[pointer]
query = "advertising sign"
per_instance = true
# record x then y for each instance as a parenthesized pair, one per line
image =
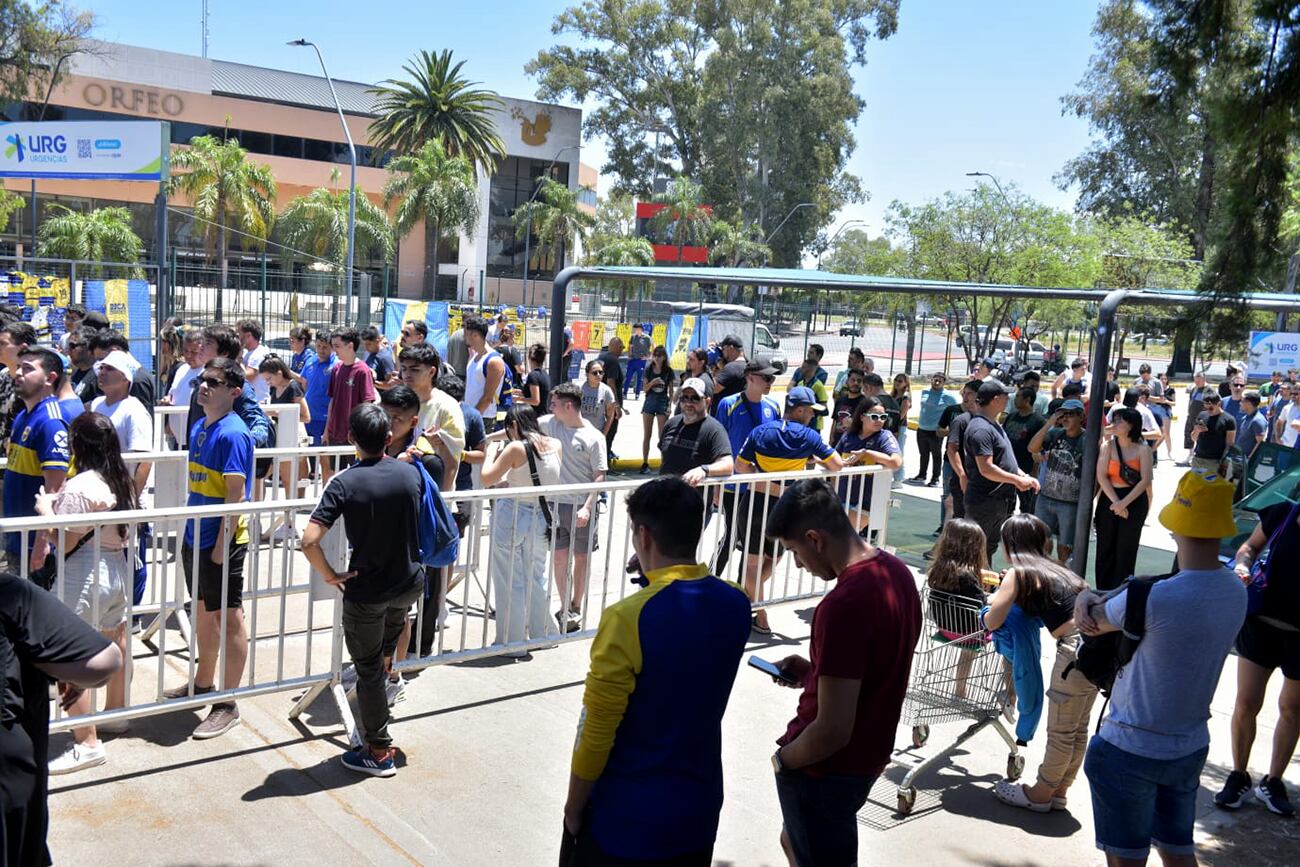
(118, 150)
(1272, 350)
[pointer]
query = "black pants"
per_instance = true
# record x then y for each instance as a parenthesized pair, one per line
(1026, 501)
(584, 851)
(427, 622)
(931, 446)
(729, 508)
(820, 815)
(958, 497)
(371, 630)
(990, 511)
(1118, 539)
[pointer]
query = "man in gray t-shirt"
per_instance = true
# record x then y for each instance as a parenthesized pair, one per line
(583, 461)
(1144, 765)
(638, 351)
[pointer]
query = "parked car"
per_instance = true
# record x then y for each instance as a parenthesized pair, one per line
(850, 328)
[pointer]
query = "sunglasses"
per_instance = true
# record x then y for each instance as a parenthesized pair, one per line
(596, 372)
(764, 378)
(212, 382)
(690, 398)
(876, 416)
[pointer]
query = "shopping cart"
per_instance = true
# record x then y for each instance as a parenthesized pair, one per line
(956, 675)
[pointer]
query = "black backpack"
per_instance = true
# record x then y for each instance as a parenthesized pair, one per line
(1101, 657)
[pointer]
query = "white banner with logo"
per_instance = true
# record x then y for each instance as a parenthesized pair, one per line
(1272, 350)
(119, 150)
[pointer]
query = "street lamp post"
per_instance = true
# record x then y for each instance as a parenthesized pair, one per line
(352, 185)
(528, 231)
(1010, 213)
(838, 232)
(786, 220)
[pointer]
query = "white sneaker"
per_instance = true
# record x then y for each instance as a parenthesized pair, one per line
(395, 690)
(78, 758)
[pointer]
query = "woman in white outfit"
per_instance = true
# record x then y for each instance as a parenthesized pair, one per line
(96, 576)
(520, 528)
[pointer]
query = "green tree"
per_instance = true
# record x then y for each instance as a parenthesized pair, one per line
(737, 245)
(35, 40)
(556, 219)
(101, 235)
(226, 190)
(438, 104)
(9, 202)
(317, 224)
(623, 252)
(685, 221)
(436, 187)
(615, 219)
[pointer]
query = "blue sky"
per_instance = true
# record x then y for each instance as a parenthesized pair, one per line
(963, 86)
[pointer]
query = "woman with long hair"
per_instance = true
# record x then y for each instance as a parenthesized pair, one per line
(1124, 475)
(520, 528)
(658, 397)
(285, 390)
(536, 390)
(901, 392)
(96, 575)
(866, 442)
(1045, 589)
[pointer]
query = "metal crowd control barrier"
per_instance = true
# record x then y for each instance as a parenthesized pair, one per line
(507, 571)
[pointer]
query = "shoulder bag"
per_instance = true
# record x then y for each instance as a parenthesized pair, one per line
(44, 576)
(537, 483)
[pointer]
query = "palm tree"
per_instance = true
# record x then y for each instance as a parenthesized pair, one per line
(436, 187)
(686, 221)
(226, 190)
(736, 245)
(625, 252)
(101, 235)
(556, 220)
(437, 104)
(317, 224)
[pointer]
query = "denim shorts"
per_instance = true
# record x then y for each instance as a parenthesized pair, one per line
(1137, 801)
(1059, 516)
(821, 816)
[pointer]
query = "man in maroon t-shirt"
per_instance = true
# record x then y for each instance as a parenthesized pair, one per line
(351, 384)
(863, 635)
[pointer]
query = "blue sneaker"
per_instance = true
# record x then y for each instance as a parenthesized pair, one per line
(364, 761)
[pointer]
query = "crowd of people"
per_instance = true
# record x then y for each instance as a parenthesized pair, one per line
(488, 415)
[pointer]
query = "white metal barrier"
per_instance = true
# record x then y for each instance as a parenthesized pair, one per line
(507, 572)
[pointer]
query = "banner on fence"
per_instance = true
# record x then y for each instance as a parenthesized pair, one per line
(434, 314)
(127, 305)
(42, 299)
(1272, 350)
(685, 332)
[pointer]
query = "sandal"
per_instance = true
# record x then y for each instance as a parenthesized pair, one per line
(1014, 794)
(1058, 803)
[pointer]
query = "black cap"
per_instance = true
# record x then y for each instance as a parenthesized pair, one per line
(731, 340)
(990, 390)
(760, 368)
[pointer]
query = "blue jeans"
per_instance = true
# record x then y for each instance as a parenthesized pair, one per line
(519, 571)
(635, 376)
(901, 436)
(821, 816)
(1137, 801)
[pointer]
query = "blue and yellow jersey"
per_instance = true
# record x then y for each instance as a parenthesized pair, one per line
(662, 666)
(782, 446)
(38, 442)
(223, 448)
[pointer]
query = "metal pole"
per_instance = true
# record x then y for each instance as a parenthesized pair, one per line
(786, 220)
(559, 291)
(528, 234)
(352, 185)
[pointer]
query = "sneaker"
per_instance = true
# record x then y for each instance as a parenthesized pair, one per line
(184, 691)
(572, 621)
(395, 691)
(1234, 791)
(933, 483)
(917, 478)
(221, 719)
(645, 468)
(285, 533)
(78, 758)
(366, 761)
(1271, 792)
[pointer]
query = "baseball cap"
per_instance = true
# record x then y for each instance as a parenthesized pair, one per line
(95, 319)
(1201, 507)
(990, 390)
(696, 385)
(119, 361)
(760, 368)
(802, 395)
(1071, 405)
(731, 340)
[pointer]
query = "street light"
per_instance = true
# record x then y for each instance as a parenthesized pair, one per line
(836, 235)
(786, 220)
(352, 185)
(994, 179)
(528, 232)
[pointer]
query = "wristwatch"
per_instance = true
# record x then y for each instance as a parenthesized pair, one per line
(704, 468)
(777, 765)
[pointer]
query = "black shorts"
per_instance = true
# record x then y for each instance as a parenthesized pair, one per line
(261, 468)
(210, 576)
(751, 524)
(1270, 647)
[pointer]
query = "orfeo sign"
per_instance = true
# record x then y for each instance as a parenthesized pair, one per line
(120, 150)
(1272, 350)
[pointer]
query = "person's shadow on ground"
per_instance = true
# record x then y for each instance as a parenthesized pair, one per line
(324, 776)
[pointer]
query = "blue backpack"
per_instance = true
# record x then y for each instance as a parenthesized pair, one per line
(439, 536)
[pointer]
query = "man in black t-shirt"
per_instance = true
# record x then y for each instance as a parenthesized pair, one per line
(40, 639)
(954, 421)
(992, 475)
(1021, 426)
(694, 444)
(731, 378)
(379, 499)
(1215, 432)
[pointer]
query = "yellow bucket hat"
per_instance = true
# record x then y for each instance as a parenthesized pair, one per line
(1201, 507)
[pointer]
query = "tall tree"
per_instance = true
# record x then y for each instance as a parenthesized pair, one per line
(437, 103)
(317, 224)
(737, 245)
(438, 188)
(716, 84)
(35, 40)
(557, 221)
(101, 235)
(226, 190)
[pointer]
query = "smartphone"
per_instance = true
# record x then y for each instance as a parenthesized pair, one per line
(771, 669)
